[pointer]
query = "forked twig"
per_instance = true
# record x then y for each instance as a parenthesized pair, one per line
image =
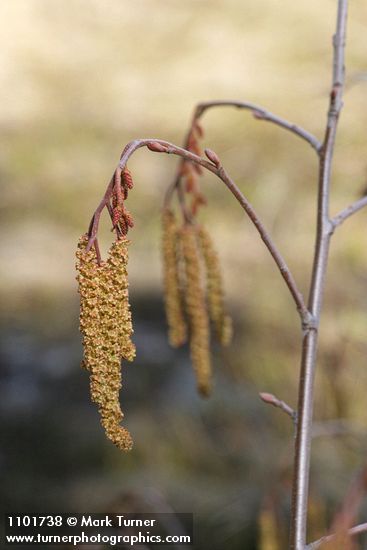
(310, 340)
(261, 114)
(169, 148)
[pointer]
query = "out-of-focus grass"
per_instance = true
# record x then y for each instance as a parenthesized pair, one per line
(80, 79)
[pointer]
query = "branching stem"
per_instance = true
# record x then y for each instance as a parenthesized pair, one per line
(310, 338)
(170, 148)
(309, 312)
(261, 114)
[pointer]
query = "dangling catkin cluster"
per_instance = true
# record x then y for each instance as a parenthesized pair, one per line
(105, 322)
(188, 252)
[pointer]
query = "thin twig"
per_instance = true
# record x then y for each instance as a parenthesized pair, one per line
(219, 171)
(272, 400)
(352, 532)
(310, 338)
(261, 114)
(349, 211)
(307, 319)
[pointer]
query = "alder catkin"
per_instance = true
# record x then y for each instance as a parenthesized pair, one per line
(105, 322)
(177, 329)
(88, 279)
(196, 310)
(215, 295)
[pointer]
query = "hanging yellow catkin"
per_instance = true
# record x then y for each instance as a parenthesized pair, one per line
(215, 294)
(105, 322)
(196, 310)
(117, 264)
(177, 329)
(88, 279)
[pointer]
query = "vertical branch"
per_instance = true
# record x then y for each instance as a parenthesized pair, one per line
(310, 338)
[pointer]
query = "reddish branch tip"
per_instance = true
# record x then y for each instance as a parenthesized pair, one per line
(213, 157)
(157, 147)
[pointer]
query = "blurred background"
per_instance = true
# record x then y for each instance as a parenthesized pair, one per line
(78, 80)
